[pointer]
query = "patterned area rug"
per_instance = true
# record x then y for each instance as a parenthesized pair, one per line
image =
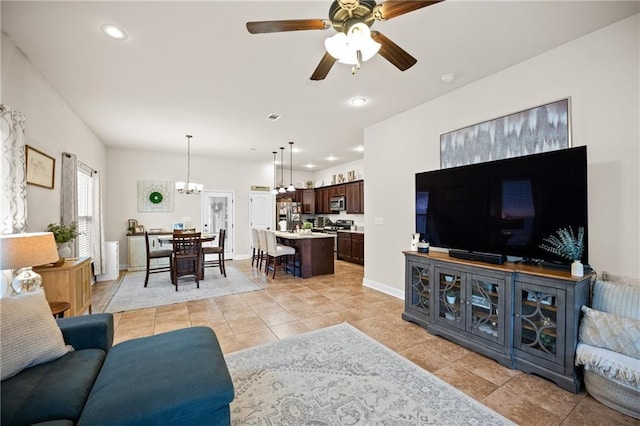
(159, 291)
(340, 376)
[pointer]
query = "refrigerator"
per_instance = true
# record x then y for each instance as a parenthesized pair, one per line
(288, 215)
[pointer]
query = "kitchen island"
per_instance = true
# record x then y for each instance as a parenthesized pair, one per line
(314, 252)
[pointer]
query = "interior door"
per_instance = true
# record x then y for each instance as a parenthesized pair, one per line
(261, 210)
(217, 212)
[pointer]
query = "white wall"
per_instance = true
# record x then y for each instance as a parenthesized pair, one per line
(598, 71)
(326, 175)
(51, 127)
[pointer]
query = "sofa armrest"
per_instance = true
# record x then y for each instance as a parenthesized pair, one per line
(88, 331)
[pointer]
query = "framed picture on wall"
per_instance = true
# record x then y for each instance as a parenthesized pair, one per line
(539, 129)
(40, 168)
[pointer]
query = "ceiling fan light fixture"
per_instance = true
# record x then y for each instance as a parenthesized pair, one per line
(336, 45)
(359, 38)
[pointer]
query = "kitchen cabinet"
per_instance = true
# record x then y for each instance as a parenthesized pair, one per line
(69, 282)
(322, 200)
(355, 197)
(338, 190)
(523, 316)
(137, 252)
(307, 200)
(351, 247)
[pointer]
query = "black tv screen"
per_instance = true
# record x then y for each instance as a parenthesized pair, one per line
(505, 207)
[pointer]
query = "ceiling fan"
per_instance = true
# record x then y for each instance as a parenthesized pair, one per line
(354, 41)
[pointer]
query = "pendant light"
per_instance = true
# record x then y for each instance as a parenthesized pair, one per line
(189, 187)
(274, 191)
(282, 189)
(291, 188)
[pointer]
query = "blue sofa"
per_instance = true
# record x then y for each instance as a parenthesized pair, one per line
(179, 377)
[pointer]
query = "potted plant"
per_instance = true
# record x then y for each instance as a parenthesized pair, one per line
(63, 234)
(306, 227)
(567, 245)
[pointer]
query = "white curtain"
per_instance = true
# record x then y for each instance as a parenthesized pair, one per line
(97, 241)
(13, 183)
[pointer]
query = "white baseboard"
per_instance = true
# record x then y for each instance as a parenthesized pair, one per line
(391, 291)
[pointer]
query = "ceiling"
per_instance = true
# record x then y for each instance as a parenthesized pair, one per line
(192, 67)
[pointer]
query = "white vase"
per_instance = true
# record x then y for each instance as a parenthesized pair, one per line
(451, 299)
(577, 269)
(64, 250)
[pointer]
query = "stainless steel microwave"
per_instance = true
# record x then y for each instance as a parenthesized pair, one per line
(338, 203)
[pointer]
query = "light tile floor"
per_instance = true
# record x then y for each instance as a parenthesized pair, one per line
(289, 306)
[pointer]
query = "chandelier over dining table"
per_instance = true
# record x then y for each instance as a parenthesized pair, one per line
(189, 187)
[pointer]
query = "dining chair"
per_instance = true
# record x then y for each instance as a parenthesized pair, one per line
(187, 257)
(159, 255)
(255, 254)
(275, 251)
(219, 251)
(262, 253)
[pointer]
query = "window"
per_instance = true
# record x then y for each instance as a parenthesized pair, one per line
(85, 211)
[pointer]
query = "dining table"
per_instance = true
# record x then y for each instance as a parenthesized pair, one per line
(204, 238)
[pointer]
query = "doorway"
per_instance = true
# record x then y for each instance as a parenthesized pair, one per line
(261, 206)
(217, 212)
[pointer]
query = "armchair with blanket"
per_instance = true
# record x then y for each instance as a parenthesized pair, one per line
(609, 343)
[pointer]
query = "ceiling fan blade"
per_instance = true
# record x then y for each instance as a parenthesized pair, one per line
(260, 27)
(391, 9)
(323, 67)
(393, 53)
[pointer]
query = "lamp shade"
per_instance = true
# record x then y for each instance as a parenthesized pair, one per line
(27, 249)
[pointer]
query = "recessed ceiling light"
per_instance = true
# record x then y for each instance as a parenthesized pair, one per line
(114, 32)
(331, 158)
(359, 148)
(359, 101)
(309, 166)
(448, 78)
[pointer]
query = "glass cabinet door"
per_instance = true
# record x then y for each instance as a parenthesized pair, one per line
(484, 305)
(420, 291)
(450, 297)
(539, 315)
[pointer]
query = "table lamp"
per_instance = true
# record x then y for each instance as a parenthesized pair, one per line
(21, 252)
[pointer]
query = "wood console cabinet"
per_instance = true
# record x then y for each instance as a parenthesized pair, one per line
(524, 317)
(69, 282)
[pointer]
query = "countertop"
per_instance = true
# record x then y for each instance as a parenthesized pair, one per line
(350, 231)
(301, 236)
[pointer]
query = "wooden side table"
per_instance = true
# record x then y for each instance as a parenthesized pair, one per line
(58, 308)
(70, 282)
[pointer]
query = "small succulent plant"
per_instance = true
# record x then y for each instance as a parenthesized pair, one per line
(565, 243)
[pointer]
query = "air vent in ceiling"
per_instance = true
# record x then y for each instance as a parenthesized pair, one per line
(273, 117)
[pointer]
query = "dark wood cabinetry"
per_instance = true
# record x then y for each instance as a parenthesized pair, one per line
(355, 197)
(322, 200)
(524, 317)
(352, 191)
(351, 247)
(307, 200)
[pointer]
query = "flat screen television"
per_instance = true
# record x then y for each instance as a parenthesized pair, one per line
(505, 207)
